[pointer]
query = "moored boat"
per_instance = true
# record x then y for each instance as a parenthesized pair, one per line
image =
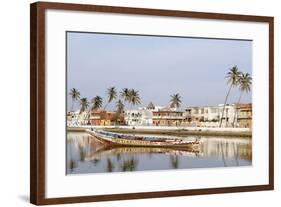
(143, 141)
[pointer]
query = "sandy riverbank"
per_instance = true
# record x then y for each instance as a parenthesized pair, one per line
(176, 131)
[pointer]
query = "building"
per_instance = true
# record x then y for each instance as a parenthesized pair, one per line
(210, 116)
(141, 116)
(106, 118)
(69, 117)
(84, 118)
(167, 117)
(72, 118)
(138, 117)
(95, 118)
(244, 115)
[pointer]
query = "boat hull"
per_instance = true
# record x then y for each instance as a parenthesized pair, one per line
(141, 143)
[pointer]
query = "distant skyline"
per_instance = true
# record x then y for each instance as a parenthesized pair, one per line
(156, 66)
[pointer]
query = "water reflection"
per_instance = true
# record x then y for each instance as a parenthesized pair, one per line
(110, 165)
(129, 164)
(85, 154)
(174, 161)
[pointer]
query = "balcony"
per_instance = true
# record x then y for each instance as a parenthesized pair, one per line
(167, 117)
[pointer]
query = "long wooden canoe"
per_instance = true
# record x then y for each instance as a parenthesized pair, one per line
(141, 141)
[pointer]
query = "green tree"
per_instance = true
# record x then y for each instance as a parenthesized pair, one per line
(244, 84)
(232, 80)
(119, 111)
(75, 96)
(120, 106)
(111, 94)
(134, 97)
(125, 94)
(84, 104)
(175, 101)
(96, 103)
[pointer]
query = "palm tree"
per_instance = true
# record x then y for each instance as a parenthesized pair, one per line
(120, 106)
(125, 94)
(245, 82)
(232, 79)
(97, 103)
(119, 110)
(134, 97)
(75, 95)
(175, 101)
(84, 104)
(112, 94)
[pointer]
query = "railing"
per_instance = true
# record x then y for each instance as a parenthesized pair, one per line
(168, 117)
(244, 117)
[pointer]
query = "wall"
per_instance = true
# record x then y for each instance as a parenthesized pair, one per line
(14, 104)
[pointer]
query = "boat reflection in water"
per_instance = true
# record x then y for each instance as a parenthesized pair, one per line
(85, 154)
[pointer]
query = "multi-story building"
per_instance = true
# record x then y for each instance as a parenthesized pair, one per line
(95, 118)
(138, 117)
(244, 115)
(84, 118)
(210, 116)
(167, 117)
(72, 118)
(106, 118)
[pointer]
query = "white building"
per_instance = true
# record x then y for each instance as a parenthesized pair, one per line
(138, 117)
(210, 116)
(144, 116)
(73, 118)
(84, 118)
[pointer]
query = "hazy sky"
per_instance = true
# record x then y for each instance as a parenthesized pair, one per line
(155, 66)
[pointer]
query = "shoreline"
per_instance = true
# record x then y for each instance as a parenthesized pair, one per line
(226, 132)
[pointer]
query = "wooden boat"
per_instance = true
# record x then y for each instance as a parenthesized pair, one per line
(142, 141)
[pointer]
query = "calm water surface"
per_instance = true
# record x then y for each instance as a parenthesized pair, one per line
(85, 154)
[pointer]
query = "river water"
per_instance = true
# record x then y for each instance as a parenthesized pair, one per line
(85, 154)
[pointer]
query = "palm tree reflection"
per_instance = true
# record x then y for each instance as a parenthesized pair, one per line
(110, 165)
(118, 156)
(82, 153)
(72, 165)
(129, 165)
(222, 154)
(174, 159)
(95, 161)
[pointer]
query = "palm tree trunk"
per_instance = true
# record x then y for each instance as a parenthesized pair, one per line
(78, 117)
(236, 111)
(72, 102)
(225, 101)
(130, 117)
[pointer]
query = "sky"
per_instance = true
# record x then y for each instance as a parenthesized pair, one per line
(156, 66)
